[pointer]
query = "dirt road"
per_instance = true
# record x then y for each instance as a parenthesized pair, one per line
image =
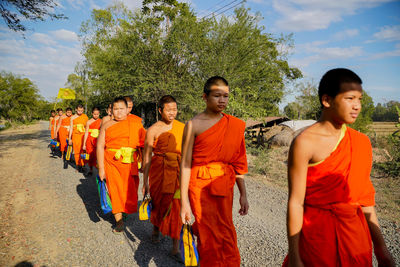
(51, 217)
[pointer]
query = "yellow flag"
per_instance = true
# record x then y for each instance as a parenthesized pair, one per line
(66, 93)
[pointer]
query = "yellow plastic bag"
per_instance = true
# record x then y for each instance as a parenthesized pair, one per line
(187, 246)
(145, 209)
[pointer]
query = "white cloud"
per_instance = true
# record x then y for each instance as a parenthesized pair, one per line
(47, 65)
(315, 53)
(42, 38)
(393, 53)
(388, 33)
(65, 35)
(309, 15)
(345, 34)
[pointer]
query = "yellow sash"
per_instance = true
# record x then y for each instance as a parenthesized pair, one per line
(80, 127)
(66, 127)
(94, 133)
(125, 152)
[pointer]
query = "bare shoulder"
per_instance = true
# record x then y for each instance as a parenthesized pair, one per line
(306, 140)
(105, 119)
(109, 123)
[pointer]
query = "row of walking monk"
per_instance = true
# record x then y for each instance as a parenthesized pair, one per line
(192, 169)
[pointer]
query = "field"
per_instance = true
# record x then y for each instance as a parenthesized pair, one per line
(383, 128)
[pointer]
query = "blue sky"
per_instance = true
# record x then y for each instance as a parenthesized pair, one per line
(363, 35)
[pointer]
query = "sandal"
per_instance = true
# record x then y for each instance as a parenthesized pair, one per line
(119, 229)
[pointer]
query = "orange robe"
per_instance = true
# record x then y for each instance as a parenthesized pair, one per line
(78, 134)
(335, 231)
(142, 135)
(219, 154)
(121, 185)
(52, 128)
(164, 181)
(91, 142)
(63, 133)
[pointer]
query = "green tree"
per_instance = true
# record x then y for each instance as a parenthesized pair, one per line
(306, 105)
(19, 98)
(166, 49)
(14, 11)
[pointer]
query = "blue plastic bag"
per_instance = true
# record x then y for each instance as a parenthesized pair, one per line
(187, 246)
(105, 201)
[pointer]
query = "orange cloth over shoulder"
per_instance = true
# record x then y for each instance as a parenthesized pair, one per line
(63, 133)
(91, 141)
(78, 134)
(52, 121)
(219, 154)
(164, 181)
(120, 164)
(335, 231)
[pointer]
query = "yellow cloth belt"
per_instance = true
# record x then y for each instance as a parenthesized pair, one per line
(125, 152)
(211, 170)
(80, 127)
(94, 133)
(66, 127)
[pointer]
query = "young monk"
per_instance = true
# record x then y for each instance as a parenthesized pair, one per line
(77, 133)
(51, 123)
(117, 160)
(109, 115)
(62, 131)
(56, 121)
(90, 140)
(331, 217)
(164, 139)
(213, 159)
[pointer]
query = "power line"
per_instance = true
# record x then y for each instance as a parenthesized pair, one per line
(228, 9)
(216, 5)
(215, 11)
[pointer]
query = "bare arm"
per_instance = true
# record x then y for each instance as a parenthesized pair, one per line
(50, 120)
(56, 129)
(86, 135)
(186, 167)
(244, 204)
(148, 149)
(299, 156)
(71, 128)
(100, 152)
(381, 251)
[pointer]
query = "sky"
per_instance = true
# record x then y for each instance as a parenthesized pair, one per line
(362, 35)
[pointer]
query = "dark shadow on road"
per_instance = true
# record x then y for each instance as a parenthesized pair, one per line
(140, 231)
(87, 190)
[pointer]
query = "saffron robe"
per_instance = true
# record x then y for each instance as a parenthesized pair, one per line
(164, 181)
(91, 142)
(335, 231)
(52, 123)
(63, 133)
(78, 134)
(219, 154)
(122, 178)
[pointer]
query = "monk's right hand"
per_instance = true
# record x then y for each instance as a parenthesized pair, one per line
(102, 175)
(84, 148)
(295, 262)
(145, 189)
(186, 213)
(69, 141)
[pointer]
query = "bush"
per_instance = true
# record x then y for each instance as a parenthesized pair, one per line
(392, 166)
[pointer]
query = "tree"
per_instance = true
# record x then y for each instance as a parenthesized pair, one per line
(306, 105)
(19, 99)
(35, 10)
(166, 49)
(386, 111)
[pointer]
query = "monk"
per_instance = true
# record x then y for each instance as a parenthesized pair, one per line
(142, 134)
(331, 218)
(108, 116)
(164, 140)
(51, 122)
(117, 147)
(213, 159)
(59, 113)
(90, 140)
(62, 132)
(76, 135)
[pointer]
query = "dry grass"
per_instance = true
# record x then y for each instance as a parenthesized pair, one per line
(270, 165)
